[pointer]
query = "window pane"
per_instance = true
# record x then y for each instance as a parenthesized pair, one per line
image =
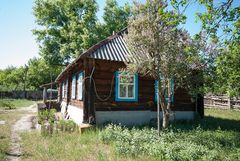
(126, 78)
(131, 79)
(80, 79)
(122, 79)
(123, 90)
(130, 91)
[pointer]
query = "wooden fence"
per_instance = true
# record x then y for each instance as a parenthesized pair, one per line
(33, 95)
(223, 102)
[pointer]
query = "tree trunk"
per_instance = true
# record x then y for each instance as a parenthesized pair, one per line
(165, 119)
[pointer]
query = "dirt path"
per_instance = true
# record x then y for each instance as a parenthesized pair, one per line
(25, 123)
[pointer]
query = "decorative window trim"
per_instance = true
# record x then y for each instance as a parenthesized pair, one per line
(63, 91)
(80, 84)
(74, 86)
(117, 90)
(155, 89)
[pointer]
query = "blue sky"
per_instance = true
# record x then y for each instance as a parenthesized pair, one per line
(17, 44)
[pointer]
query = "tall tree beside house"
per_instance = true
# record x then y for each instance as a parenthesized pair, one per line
(115, 17)
(162, 50)
(67, 28)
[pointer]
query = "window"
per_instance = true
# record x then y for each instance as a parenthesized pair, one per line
(126, 87)
(64, 89)
(74, 87)
(80, 84)
(166, 91)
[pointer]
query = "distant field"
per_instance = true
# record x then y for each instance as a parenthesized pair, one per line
(216, 137)
(14, 103)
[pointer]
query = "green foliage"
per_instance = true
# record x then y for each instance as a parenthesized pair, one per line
(39, 72)
(7, 104)
(70, 27)
(161, 49)
(29, 77)
(228, 69)
(220, 17)
(46, 116)
(12, 78)
(115, 17)
(195, 143)
(67, 125)
(15, 103)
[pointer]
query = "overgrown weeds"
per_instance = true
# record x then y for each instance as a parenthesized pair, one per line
(201, 140)
(216, 137)
(14, 103)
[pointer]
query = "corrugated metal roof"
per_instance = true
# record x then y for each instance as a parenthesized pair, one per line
(114, 50)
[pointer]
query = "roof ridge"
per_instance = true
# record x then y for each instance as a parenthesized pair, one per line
(91, 50)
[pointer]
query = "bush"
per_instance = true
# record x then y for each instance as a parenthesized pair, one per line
(67, 125)
(172, 144)
(46, 116)
(7, 104)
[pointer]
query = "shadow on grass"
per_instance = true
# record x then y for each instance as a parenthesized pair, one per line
(209, 123)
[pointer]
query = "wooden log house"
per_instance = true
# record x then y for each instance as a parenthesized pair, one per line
(93, 90)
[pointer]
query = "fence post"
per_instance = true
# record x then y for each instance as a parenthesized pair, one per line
(229, 103)
(44, 94)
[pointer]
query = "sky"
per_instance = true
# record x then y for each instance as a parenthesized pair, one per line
(17, 43)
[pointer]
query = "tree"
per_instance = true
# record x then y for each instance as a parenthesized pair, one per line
(228, 69)
(67, 28)
(220, 19)
(160, 49)
(221, 22)
(12, 78)
(115, 17)
(39, 72)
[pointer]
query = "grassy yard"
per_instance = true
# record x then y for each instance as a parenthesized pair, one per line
(14, 103)
(9, 117)
(5, 130)
(216, 137)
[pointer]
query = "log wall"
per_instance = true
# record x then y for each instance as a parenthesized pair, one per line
(104, 76)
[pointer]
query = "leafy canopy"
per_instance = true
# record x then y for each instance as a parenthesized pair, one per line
(67, 28)
(160, 49)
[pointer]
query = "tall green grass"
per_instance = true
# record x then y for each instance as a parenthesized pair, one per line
(216, 137)
(68, 147)
(14, 103)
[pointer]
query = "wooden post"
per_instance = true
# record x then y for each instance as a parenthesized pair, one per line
(44, 94)
(229, 103)
(91, 94)
(85, 91)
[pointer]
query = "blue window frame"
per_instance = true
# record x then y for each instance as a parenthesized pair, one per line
(126, 87)
(165, 93)
(80, 86)
(74, 87)
(63, 90)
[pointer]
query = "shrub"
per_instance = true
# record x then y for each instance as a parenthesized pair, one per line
(67, 125)
(7, 104)
(46, 116)
(172, 144)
